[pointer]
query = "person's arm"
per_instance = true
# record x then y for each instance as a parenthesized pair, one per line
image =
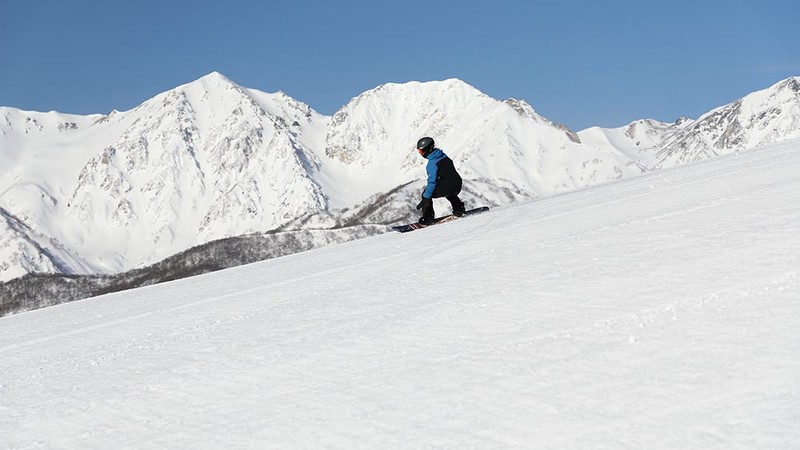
(433, 170)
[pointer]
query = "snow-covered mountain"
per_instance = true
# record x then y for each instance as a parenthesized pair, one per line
(764, 117)
(204, 161)
(507, 152)
(640, 140)
(211, 159)
(504, 143)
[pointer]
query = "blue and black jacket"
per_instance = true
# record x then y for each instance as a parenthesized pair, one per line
(443, 180)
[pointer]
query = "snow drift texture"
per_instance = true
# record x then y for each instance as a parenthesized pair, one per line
(210, 160)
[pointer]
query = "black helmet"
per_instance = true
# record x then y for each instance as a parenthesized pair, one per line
(425, 146)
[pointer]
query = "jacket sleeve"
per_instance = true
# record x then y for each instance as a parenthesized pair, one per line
(432, 169)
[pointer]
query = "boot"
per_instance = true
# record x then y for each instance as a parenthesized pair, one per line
(427, 216)
(458, 206)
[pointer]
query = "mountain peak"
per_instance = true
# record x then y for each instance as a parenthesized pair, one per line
(215, 77)
(792, 84)
(450, 84)
(760, 118)
(212, 82)
(366, 130)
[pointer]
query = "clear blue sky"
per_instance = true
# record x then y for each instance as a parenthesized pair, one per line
(578, 63)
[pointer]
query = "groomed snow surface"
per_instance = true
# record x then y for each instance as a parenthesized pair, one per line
(657, 312)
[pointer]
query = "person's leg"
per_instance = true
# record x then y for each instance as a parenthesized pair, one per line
(427, 215)
(457, 204)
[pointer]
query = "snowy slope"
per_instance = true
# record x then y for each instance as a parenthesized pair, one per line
(657, 312)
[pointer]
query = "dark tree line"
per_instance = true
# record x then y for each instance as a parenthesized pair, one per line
(35, 291)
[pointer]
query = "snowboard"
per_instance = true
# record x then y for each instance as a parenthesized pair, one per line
(416, 226)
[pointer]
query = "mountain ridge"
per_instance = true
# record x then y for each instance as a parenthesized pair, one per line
(763, 117)
(211, 159)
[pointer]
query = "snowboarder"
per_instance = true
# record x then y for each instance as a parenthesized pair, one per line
(443, 181)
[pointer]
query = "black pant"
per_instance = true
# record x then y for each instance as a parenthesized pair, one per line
(455, 202)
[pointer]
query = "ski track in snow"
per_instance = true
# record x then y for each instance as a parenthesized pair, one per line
(657, 312)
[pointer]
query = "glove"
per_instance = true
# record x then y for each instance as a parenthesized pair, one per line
(426, 202)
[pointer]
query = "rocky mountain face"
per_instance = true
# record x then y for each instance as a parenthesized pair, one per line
(211, 160)
(202, 162)
(764, 117)
(21, 253)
